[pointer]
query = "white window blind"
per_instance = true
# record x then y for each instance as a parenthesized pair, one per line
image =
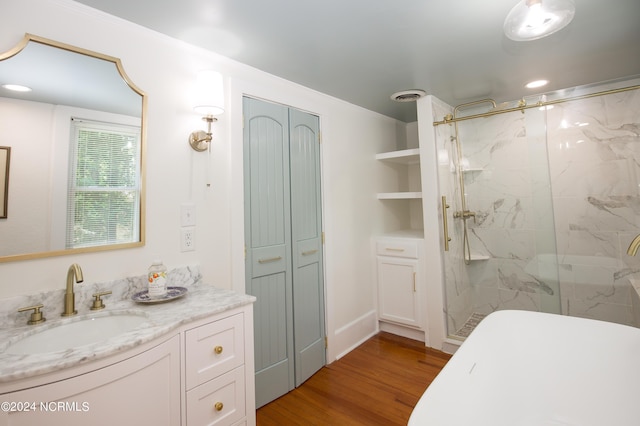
(104, 184)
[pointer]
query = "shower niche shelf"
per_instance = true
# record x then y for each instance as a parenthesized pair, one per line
(475, 257)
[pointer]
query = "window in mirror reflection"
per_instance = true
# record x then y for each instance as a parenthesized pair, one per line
(104, 184)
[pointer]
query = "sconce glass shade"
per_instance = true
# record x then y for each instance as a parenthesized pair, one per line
(535, 19)
(209, 93)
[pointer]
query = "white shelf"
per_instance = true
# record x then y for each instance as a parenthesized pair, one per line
(399, 195)
(404, 233)
(406, 156)
(472, 170)
(474, 257)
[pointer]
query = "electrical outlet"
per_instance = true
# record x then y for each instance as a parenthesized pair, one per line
(188, 214)
(188, 239)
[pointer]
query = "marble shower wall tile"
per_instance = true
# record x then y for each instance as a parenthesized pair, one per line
(594, 151)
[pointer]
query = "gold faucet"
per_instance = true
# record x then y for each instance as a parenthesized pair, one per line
(633, 247)
(69, 297)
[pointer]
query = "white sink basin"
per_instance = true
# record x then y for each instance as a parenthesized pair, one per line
(80, 332)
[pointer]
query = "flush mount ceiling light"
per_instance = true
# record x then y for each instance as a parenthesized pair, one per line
(534, 19)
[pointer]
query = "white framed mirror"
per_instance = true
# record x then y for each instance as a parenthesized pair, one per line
(76, 131)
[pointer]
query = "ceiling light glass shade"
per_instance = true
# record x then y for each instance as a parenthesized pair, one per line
(209, 93)
(16, 87)
(536, 83)
(534, 19)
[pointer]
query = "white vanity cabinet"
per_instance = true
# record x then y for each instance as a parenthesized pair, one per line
(400, 281)
(199, 373)
(143, 389)
(214, 372)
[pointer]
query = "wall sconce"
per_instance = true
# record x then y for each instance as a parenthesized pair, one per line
(208, 101)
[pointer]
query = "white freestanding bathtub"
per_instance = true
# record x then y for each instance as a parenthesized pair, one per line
(520, 368)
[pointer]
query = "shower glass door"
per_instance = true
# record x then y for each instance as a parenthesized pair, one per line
(502, 253)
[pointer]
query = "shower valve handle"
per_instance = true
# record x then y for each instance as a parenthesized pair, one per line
(464, 215)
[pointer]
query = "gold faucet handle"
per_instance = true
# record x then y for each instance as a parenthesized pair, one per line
(36, 316)
(97, 301)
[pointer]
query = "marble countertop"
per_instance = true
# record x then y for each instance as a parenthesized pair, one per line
(201, 301)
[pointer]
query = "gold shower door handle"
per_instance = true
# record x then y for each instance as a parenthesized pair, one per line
(445, 226)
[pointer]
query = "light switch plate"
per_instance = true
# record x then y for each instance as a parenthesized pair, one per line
(188, 214)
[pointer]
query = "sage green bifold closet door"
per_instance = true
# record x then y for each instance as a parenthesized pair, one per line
(283, 237)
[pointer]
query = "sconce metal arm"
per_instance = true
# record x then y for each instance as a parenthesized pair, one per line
(200, 140)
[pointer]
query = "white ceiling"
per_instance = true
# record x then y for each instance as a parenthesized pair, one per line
(362, 51)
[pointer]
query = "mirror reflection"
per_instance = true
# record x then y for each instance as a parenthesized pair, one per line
(75, 127)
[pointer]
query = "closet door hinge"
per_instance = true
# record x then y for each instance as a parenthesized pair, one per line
(322, 237)
(326, 342)
(319, 137)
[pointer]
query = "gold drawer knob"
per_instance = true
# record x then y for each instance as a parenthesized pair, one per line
(218, 350)
(219, 406)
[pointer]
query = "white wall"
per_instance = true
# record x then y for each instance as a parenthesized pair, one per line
(26, 226)
(165, 69)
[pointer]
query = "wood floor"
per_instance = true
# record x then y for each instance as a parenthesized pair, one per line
(378, 383)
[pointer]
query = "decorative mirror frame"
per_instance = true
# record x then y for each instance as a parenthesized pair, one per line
(5, 160)
(143, 125)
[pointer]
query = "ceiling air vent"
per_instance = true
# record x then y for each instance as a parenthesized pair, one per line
(408, 95)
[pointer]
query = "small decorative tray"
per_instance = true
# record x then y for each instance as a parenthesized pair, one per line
(172, 293)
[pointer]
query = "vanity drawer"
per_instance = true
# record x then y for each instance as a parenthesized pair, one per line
(219, 401)
(213, 349)
(397, 248)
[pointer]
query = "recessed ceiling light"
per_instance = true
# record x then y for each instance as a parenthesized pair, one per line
(16, 87)
(536, 83)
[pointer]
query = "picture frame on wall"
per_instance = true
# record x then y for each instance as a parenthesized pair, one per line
(5, 157)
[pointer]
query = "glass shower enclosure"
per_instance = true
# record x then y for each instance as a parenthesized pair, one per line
(541, 204)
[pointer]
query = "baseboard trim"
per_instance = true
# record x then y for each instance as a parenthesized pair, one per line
(353, 334)
(399, 330)
(450, 346)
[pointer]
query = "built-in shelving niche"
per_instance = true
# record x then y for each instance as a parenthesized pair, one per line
(406, 164)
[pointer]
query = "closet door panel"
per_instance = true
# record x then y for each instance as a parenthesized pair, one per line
(268, 245)
(308, 281)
